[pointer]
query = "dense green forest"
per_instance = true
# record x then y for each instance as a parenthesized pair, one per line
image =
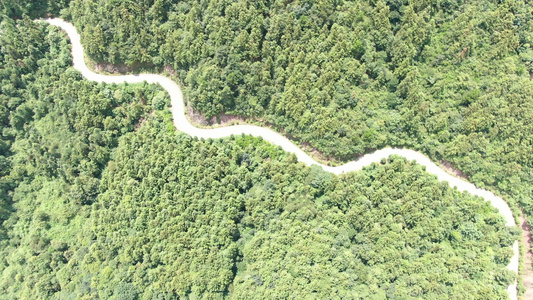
(449, 78)
(102, 198)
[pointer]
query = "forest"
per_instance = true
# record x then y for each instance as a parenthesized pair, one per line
(100, 196)
(449, 78)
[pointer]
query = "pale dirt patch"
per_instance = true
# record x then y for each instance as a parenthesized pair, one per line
(107, 68)
(315, 153)
(449, 168)
(216, 121)
(170, 70)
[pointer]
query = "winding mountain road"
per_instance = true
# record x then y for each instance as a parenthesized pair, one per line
(182, 124)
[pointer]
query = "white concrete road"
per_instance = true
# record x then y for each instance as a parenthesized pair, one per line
(182, 124)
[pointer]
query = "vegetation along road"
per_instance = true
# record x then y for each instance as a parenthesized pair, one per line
(182, 124)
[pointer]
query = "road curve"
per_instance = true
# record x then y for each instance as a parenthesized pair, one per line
(182, 124)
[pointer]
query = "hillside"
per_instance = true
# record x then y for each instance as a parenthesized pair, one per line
(101, 197)
(449, 79)
(97, 208)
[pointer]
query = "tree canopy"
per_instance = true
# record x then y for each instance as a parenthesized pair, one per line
(103, 198)
(451, 79)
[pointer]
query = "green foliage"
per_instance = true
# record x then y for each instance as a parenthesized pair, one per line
(449, 79)
(32, 8)
(58, 133)
(101, 198)
(188, 218)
